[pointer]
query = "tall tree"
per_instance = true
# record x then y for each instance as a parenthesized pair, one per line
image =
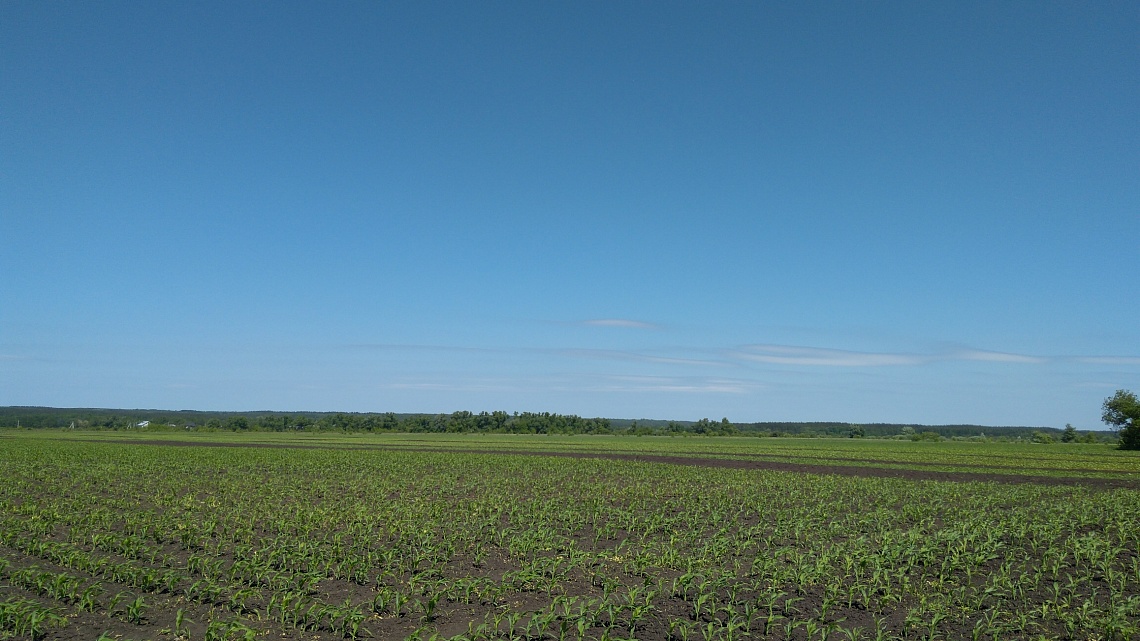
(1122, 412)
(1069, 435)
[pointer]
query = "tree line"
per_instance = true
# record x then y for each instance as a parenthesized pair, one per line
(500, 422)
(456, 422)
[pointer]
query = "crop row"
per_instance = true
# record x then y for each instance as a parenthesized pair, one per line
(226, 543)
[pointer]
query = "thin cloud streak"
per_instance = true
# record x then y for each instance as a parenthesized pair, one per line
(995, 357)
(771, 354)
(422, 348)
(677, 385)
(619, 322)
(1098, 385)
(817, 356)
(570, 352)
(623, 355)
(1108, 360)
(588, 384)
(451, 387)
(826, 357)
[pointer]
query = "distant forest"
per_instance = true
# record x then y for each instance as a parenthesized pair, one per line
(492, 422)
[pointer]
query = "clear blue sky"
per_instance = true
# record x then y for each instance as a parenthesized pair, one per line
(853, 211)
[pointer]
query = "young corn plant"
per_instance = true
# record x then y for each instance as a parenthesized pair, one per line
(135, 610)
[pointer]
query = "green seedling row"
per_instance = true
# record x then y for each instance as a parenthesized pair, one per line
(471, 539)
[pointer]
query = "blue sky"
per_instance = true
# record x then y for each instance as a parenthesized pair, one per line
(867, 212)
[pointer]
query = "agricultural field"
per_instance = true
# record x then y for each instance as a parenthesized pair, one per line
(408, 536)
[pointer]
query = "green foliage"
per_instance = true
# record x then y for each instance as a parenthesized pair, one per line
(135, 610)
(1069, 435)
(497, 422)
(484, 422)
(1121, 411)
(355, 536)
(888, 430)
(709, 428)
(237, 423)
(229, 631)
(27, 618)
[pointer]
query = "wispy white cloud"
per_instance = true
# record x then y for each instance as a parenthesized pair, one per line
(994, 357)
(772, 354)
(619, 322)
(682, 385)
(418, 348)
(1108, 360)
(670, 357)
(452, 386)
(827, 357)
(1096, 385)
(624, 355)
(817, 356)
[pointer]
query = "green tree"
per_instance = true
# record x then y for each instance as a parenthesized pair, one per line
(1069, 435)
(1122, 412)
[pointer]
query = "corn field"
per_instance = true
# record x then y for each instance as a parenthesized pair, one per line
(580, 538)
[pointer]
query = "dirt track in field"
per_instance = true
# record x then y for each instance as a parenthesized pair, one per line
(863, 471)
